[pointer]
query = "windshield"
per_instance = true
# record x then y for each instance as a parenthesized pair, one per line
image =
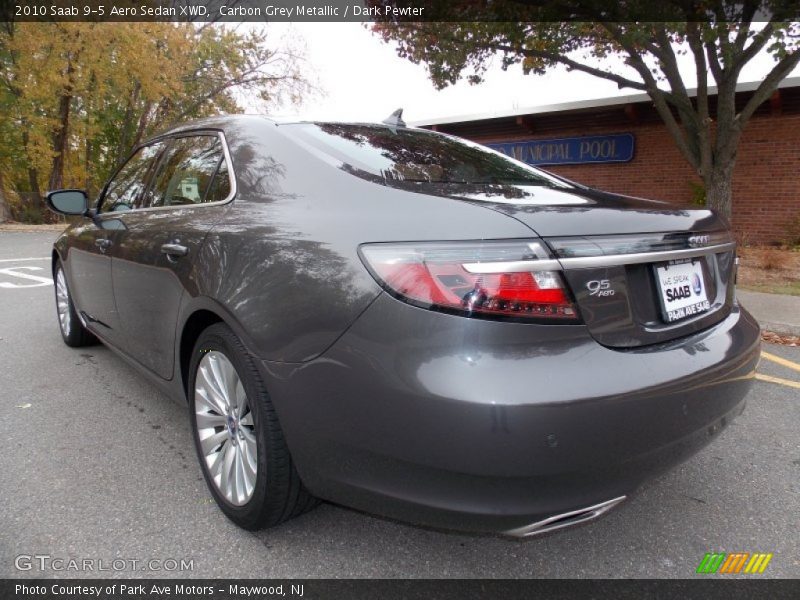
(415, 155)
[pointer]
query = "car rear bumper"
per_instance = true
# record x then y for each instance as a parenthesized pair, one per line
(491, 426)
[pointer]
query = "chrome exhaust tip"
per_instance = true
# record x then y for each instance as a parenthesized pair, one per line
(564, 520)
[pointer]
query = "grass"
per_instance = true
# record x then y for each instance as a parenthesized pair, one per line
(28, 227)
(790, 289)
(770, 270)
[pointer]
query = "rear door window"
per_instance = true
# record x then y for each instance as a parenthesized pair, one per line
(187, 171)
(220, 187)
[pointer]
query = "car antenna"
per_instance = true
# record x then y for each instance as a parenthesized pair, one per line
(395, 119)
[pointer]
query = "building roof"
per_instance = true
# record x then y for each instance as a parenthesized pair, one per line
(578, 105)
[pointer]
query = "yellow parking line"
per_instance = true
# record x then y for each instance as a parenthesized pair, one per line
(781, 361)
(778, 380)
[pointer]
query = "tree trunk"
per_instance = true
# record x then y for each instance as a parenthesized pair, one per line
(719, 189)
(87, 164)
(61, 135)
(33, 182)
(33, 174)
(124, 139)
(5, 212)
(60, 138)
(144, 119)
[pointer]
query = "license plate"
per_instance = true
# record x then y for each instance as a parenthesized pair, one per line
(683, 290)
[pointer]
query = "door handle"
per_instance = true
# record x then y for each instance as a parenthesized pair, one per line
(103, 243)
(174, 250)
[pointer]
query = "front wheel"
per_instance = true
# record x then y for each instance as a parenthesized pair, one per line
(72, 330)
(239, 441)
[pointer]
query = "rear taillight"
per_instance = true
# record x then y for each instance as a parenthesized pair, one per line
(506, 279)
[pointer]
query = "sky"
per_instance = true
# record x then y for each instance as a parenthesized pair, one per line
(362, 78)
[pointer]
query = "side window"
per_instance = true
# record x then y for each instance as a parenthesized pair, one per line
(187, 171)
(220, 185)
(125, 189)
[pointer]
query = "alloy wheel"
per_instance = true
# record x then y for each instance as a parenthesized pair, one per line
(225, 428)
(62, 303)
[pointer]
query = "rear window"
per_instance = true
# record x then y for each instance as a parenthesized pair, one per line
(389, 154)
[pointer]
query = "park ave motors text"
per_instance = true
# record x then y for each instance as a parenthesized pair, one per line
(157, 590)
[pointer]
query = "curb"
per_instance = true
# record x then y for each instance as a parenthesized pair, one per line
(21, 228)
(779, 328)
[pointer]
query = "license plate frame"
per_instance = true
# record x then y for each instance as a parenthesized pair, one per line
(682, 292)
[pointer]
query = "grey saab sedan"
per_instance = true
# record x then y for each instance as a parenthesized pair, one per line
(407, 323)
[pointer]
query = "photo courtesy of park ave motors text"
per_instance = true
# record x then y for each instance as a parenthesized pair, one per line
(488, 290)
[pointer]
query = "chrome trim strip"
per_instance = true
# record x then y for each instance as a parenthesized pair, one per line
(544, 526)
(584, 262)
(231, 172)
(613, 260)
(512, 266)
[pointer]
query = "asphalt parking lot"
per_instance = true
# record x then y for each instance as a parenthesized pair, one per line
(98, 465)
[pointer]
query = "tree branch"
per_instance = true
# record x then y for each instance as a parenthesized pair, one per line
(695, 40)
(572, 64)
(713, 63)
(660, 98)
(748, 12)
(669, 63)
(768, 86)
(758, 42)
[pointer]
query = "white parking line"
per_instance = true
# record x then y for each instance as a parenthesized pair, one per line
(15, 272)
(4, 260)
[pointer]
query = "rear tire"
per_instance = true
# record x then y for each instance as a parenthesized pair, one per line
(233, 422)
(72, 330)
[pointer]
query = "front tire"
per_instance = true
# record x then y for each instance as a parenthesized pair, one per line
(72, 330)
(239, 442)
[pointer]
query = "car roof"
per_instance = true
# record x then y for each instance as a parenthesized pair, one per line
(216, 122)
(221, 121)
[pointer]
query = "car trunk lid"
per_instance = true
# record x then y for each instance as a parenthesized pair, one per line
(639, 289)
(642, 272)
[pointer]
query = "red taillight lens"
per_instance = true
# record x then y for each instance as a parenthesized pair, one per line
(503, 279)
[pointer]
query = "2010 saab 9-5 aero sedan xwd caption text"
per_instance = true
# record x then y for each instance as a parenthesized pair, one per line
(407, 323)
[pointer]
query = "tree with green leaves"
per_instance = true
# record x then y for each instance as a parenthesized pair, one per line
(76, 97)
(634, 44)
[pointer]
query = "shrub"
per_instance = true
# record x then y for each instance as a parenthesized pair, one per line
(772, 259)
(793, 231)
(698, 192)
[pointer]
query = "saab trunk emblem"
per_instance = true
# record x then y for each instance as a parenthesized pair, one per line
(698, 241)
(599, 287)
(734, 563)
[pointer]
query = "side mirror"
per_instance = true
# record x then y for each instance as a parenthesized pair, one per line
(68, 202)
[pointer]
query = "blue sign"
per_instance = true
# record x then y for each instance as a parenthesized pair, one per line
(617, 147)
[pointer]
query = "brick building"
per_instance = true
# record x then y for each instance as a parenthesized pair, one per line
(766, 197)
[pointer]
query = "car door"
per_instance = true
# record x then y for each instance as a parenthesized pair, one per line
(89, 257)
(152, 256)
